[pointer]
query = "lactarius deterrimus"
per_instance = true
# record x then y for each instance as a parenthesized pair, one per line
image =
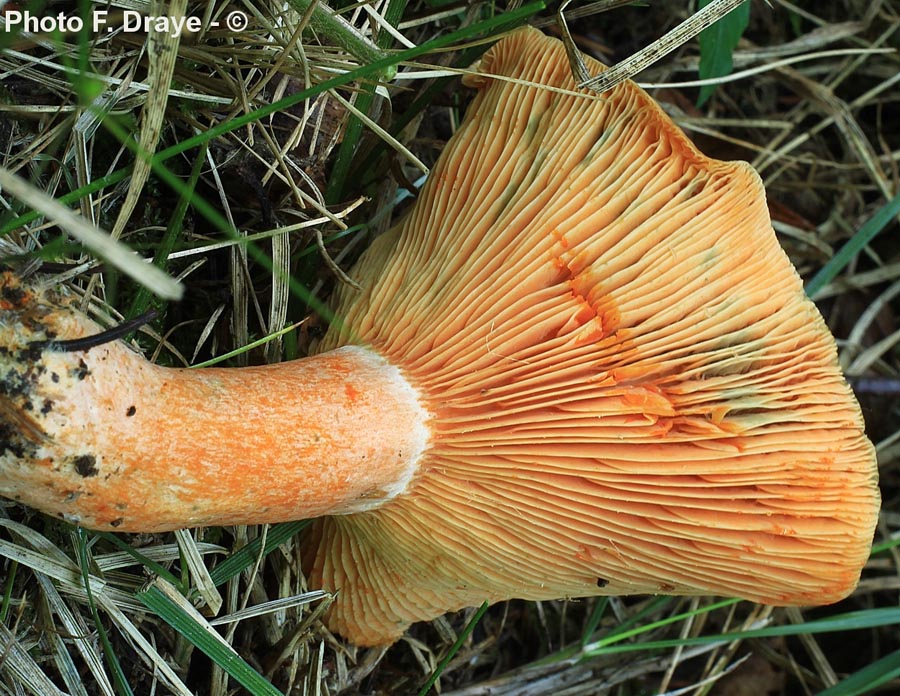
(580, 365)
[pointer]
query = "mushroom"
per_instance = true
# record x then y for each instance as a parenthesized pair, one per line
(580, 365)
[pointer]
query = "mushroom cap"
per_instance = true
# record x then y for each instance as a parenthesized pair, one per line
(630, 391)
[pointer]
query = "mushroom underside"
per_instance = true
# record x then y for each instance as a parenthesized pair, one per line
(631, 392)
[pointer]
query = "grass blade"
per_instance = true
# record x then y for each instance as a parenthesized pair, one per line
(246, 557)
(857, 242)
(869, 678)
(104, 246)
(119, 679)
(442, 665)
(717, 44)
(142, 300)
(163, 600)
(851, 621)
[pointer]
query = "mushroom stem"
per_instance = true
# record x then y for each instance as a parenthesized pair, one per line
(104, 438)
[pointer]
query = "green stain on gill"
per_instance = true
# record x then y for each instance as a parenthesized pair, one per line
(599, 142)
(513, 189)
(531, 127)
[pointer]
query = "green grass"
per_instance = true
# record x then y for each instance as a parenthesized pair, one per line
(717, 45)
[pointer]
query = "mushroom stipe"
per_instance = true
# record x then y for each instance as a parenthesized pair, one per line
(580, 365)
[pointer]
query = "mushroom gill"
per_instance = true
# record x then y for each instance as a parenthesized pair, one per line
(630, 392)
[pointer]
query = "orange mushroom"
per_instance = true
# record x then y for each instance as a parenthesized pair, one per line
(581, 365)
